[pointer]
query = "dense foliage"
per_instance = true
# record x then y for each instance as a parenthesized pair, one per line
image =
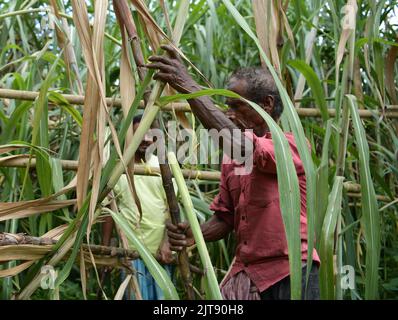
(311, 38)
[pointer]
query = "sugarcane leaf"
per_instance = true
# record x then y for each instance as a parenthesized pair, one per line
(326, 272)
(63, 103)
(322, 184)
(211, 278)
(370, 212)
(315, 85)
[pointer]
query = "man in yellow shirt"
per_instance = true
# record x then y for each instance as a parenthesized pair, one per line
(151, 228)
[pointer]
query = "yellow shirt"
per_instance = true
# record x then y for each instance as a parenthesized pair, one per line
(150, 230)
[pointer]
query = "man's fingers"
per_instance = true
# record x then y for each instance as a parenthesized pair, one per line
(177, 243)
(170, 226)
(161, 66)
(161, 59)
(162, 76)
(183, 226)
(175, 235)
(171, 51)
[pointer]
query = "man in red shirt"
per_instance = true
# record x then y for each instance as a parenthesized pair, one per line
(247, 204)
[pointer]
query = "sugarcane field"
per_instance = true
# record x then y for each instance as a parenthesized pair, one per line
(198, 150)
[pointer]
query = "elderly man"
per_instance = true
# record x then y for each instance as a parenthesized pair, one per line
(247, 204)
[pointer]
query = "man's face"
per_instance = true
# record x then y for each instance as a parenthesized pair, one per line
(146, 142)
(240, 113)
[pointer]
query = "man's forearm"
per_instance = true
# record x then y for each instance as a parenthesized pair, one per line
(172, 71)
(215, 229)
(209, 115)
(213, 118)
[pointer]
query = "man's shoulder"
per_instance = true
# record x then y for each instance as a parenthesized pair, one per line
(292, 140)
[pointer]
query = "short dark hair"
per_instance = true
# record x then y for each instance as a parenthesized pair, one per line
(260, 84)
(137, 119)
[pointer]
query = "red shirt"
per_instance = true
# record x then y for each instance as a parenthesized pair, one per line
(250, 203)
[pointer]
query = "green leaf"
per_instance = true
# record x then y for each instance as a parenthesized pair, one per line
(214, 290)
(58, 182)
(323, 183)
(315, 85)
(370, 212)
(58, 99)
(326, 272)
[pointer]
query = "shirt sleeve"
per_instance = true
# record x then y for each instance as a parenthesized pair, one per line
(222, 204)
(264, 154)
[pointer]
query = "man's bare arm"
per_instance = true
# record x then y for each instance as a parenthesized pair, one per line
(172, 71)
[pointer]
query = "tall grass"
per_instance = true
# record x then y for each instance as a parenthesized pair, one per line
(323, 62)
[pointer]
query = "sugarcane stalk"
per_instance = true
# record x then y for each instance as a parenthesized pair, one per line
(182, 258)
(125, 19)
(151, 111)
(195, 227)
(68, 51)
(22, 12)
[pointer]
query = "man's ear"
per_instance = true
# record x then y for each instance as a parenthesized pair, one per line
(269, 104)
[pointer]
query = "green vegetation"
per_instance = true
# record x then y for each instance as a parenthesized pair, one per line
(334, 64)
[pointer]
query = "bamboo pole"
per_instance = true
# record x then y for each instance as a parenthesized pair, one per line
(79, 100)
(392, 111)
(353, 189)
(139, 169)
(378, 197)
